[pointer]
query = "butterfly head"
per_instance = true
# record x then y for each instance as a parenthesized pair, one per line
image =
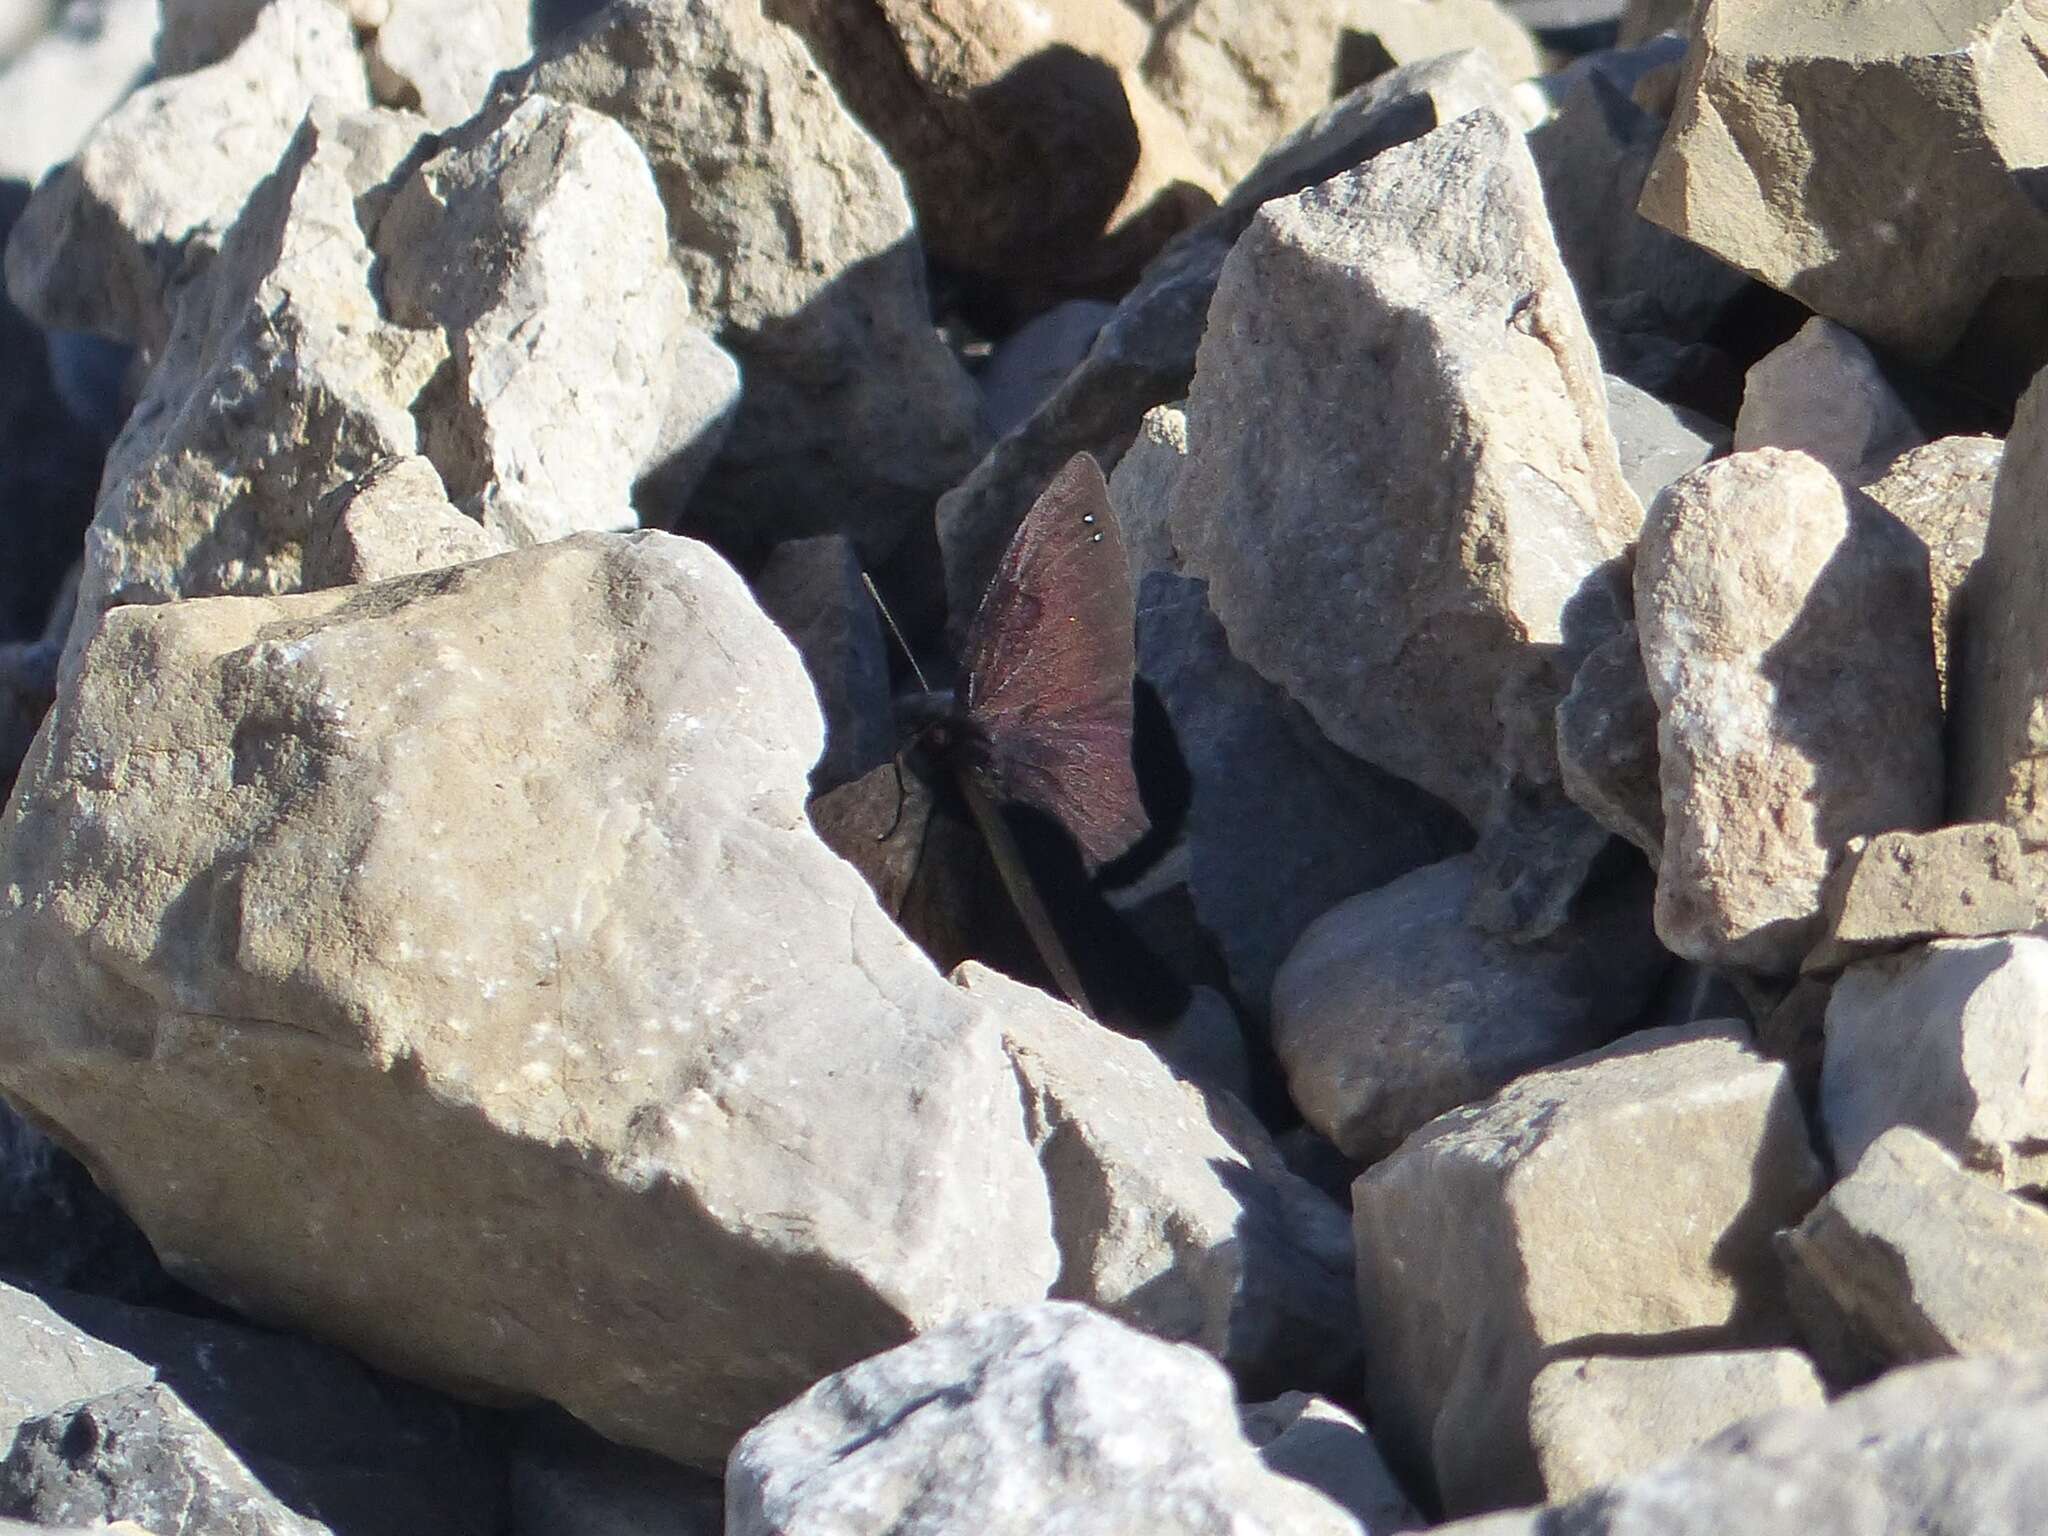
(938, 733)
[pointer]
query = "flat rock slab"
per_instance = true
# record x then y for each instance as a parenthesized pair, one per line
(494, 886)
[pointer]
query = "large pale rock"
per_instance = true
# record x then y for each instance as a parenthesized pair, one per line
(1943, 492)
(1597, 1419)
(1175, 1213)
(1824, 394)
(68, 77)
(797, 242)
(1951, 1447)
(1503, 1234)
(1391, 1010)
(1952, 1038)
(1881, 174)
(1455, 541)
(1786, 631)
(363, 877)
(1027, 1420)
(1911, 1258)
(1901, 888)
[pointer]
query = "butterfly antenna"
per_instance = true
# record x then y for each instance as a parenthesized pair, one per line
(889, 619)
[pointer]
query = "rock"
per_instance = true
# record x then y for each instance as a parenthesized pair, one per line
(1145, 353)
(1597, 1419)
(1954, 1446)
(1508, 1233)
(1033, 361)
(1943, 491)
(1824, 394)
(1901, 888)
(1141, 490)
(1390, 1010)
(1313, 1441)
(1607, 744)
(1912, 1258)
(1657, 442)
(589, 1118)
(1642, 20)
(800, 253)
(566, 1481)
(1025, 1420)
(1952, 1038)
(1205, 1046)
(139, 211)
(68, 78)
(1885, 186)
(1785, 630)
(21, 23)
(812, 589)
(1426, 277)
(1174, 1213)
(392, 520)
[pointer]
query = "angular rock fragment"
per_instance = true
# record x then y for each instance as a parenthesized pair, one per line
(1390, 1010)
(68, 77)
(1313, 1441)
(1786, 632)
(1607, 744)
(1824, 394)
(1951, 1037)
(1506, 1232)
(1902, 888)
(1033, 361)
(1015, 1422)
(1658, 442)
(1882, 175)
(392, 520)
(812, 589)
(582, 1019)
(1598, 1419)
(1911, 1258)
(1943, 492)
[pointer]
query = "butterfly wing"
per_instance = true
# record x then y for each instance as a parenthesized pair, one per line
(1049, 662)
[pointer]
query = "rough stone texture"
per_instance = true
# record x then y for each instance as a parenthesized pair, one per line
(1390, 1010)
(1951, 1037)
(1510, 1232)
(1313, 1441)
(279, 862)
(1658, 442)
(1900, 888)
(798, 246)
(1882, 180)
(1174, 1213)
(1943, 492)
(1824, 394)
(1786, 631)
(438, 57)
(68, 78)
(1951, 1449)
(1145, 353)
(145, 206)
(1017, 1422)
(1607, 744)
(1598, 1419)
(812, 589)
(1456, 540)
(1911, 1258)
(391, 520)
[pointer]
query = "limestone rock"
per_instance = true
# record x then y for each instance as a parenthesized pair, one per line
(1492, 494)
(1884, 179)
(1943, 492)
(1390, 1010)
(812, 589)
(1600, 1418)
(1952, 1038)
(798, 246)
(1175, 1213)
(1901, 888)
(1313, 1441)
(1786, 632)
(1911, 1258)
(1504, 1233)
(1607, 743)
(391, 520)
(1020, 1421)
(584, 1022)
(68, 77)
(1824, 394)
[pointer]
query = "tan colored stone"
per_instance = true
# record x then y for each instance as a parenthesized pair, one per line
(1824, 394)
(394, 519)
(1901, 888)
(1943, 492)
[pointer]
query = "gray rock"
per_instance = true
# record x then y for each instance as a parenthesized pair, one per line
(1026, 1420)
(1943, 492)
(1313, 1441)
(1034, 360)
(1786, 631)
(71, 73)
(1607, 744)
(1901, 888)
(812, 589)
(1658, 442)
(1390, 1010)
(1824, 394)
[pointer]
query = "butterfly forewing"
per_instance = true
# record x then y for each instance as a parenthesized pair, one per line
(1049, 662)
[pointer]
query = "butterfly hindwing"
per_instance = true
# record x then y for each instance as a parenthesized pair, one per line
(1049, 662)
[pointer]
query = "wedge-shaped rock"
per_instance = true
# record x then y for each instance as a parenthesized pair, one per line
(1502, 1234)
(493, 885)
(1607, 743)
(1026, 1420)
(1397, 434)
(1786, 629)
(1943, 492)
(1174, 1213)
(1824, 394)
(798, 245)
(1391, 1009)
(1902, 888)
(1881, 173)
(1952, 1038)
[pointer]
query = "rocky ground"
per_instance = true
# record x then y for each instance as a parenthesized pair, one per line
(1578, 1059)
